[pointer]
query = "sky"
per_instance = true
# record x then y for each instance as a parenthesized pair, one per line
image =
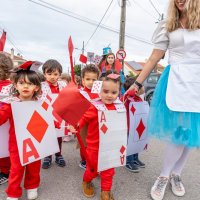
(41, 33)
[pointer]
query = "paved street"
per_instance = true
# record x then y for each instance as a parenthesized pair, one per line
(65, 183)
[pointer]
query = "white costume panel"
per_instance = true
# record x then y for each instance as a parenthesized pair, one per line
(184, 58)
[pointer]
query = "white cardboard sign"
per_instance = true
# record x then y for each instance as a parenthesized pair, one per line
(112, 139)
(35, 132)
(4, 136)
(137, 137)
(62, 130)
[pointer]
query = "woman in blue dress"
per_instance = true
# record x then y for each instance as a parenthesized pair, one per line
(175, 109)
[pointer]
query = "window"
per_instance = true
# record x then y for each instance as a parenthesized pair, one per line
(153, 79)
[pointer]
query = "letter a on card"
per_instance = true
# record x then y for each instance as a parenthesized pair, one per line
(103, 117)
(29, 150)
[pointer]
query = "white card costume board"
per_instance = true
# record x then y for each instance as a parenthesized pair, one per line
(35, 133)
(62, 130)
(137, 137)
(5, 91)
(112, 139)
(96, 87)
(4, 136)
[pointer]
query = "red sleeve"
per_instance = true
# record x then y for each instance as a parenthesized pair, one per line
(89, 115)
(5, 113)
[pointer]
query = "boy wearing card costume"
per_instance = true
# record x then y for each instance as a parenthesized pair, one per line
(26, 87)
(133, 163)
(6, 65)
(52, 71)
(89, 74)
(109, 94)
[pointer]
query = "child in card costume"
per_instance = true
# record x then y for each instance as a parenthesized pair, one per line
(89, 74)
(66, 78)
(26, 87)
(133, 162)
(109, 94)
(175, 108)
(6, 65)
(52, 71)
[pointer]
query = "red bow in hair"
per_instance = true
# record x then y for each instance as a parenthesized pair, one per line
(29, 65)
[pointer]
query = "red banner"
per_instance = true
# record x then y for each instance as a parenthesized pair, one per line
(83, 59)
(71, 49)
(2, 41)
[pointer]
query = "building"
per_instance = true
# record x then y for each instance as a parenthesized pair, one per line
(17, 59)
(136, 67)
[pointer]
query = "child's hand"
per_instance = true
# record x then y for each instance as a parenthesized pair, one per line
(71, 129)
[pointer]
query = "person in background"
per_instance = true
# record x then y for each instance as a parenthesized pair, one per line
(89, 74)
(52, 71)
(67, 78)
(133, 163)
(6, 65)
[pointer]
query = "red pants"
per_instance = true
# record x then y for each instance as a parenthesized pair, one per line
(106, 176)
(5, 165)
(82, 154)
(17, 171)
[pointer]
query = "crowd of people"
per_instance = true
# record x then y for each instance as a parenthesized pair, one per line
(175, 103)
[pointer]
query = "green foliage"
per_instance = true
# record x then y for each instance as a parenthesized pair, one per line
(77, 70)
(130, 74)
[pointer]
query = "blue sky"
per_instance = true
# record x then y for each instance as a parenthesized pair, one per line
(39, 33)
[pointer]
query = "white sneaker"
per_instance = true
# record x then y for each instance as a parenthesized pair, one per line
(176, 185)
(32, 194)
(158, 189)
(11, 198)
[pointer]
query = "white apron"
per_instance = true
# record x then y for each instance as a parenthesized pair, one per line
(183, 89)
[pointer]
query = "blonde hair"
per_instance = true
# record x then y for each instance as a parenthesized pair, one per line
(192, 11)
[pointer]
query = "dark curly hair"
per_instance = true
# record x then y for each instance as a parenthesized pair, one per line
(6, 65)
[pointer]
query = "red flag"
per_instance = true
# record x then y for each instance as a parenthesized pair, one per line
(70, 46)
(2, 41)
(71, 49)
(70, 105)
(83, 59)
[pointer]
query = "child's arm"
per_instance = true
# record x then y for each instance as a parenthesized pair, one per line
(5, 113)
(87, 117)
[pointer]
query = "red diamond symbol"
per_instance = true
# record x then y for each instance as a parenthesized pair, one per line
(45, 105)
(37, 126)
(133, 109)
(140, 129)
(49, 98)
(104, 128)
(122, 149)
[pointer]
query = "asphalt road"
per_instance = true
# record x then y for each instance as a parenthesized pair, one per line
(65, 183)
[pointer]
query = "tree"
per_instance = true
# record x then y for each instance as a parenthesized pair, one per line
(77, 70)
(130, 74)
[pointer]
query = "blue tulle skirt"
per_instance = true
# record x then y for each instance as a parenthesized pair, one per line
(181, 128)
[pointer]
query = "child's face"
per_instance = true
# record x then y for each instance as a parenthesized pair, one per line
(52, 77)
(89, 79)
(26, 89)
(110, 59)
(109, 92)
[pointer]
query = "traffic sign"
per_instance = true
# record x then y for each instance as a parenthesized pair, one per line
(121, 54)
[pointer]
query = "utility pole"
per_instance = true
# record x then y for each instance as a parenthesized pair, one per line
(122, 28)
(83, 48)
